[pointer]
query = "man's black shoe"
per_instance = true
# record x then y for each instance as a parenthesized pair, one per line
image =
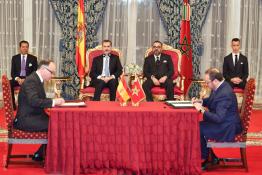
(37, 157)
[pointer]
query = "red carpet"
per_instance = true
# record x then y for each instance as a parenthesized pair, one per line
(254, 155)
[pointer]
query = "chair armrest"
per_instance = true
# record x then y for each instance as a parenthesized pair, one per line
(87, 79)
(180, 82)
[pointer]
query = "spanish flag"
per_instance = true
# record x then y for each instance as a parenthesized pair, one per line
(81, 41)
(122, 92)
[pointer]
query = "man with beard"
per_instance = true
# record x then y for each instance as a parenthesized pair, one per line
(158, 69)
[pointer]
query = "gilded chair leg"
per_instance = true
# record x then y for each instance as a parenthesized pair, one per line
(9, 151)
(244, 158)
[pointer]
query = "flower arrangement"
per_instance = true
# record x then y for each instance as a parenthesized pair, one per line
(132, 69)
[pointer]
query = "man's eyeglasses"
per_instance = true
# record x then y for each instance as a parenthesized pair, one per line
(157, 47)
(52, 72)
(207, 82)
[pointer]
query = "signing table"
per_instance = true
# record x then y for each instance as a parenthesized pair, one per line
(150, 139)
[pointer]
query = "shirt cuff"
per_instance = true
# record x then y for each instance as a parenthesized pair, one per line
(53, 102)
(99, 77)
(113, 76)
(16, 78)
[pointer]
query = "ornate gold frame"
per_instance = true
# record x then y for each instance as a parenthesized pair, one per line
(87, 96)
(179, 79)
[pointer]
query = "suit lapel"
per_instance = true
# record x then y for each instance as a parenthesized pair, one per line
(27, 61)
(231, 61)
(19, 63)
(111, 63)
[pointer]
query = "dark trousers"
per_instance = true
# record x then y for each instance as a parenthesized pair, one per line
(13, 84)
(204, 149)
(99, 85)
(168, 85)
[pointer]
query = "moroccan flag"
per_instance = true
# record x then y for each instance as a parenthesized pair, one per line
(81, 41)
(185, 43)
(137, 92)
(122, 92)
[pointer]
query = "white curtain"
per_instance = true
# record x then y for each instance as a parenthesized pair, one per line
(132, 26)
(228, 19)
(251, 38)
(31, 20)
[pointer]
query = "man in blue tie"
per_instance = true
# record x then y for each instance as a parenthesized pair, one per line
(105, 71)
(23, 64)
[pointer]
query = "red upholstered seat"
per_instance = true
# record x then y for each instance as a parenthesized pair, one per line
(161, 91)
(158, 92)
(18, 134)
(238, 90)
(14, 135)
(88, 92)
(92, 90)
(245, 114)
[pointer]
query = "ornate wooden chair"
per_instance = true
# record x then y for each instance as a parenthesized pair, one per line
(15, 136)
(158, 92)
(239, 93)
(240, 140)
(88, 92)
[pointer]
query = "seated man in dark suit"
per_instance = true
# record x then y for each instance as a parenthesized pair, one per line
(235, 67)
(221, 121)
(158, 69)
(32, 101)
(23, 64)
(105, 71)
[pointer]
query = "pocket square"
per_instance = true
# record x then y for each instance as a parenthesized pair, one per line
(164, 61)
(30, 64)
(241, 63)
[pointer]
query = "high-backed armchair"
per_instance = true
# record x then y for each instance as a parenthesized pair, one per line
(88, 92)
(158, 92)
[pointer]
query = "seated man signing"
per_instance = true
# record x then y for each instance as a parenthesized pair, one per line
(105, 71)
(158, 69)
(32, 102)
(221, 121)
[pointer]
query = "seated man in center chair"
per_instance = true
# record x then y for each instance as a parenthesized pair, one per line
(105, 71)
(158, 69)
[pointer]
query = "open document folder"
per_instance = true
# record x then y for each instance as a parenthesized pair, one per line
(73, 103)
(180, 104)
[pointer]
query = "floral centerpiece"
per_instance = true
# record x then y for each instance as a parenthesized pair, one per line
(132, 69)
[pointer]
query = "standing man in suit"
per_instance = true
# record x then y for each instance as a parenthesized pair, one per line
(105, 71)
(32, 101)
(235, 67)
(158, 69)
(221, 121)
(23, 64)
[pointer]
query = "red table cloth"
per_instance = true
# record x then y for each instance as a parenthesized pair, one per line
(150, 139)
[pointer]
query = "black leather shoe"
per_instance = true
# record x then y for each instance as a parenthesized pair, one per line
(204, 165)
(37, 157)
(215, 161)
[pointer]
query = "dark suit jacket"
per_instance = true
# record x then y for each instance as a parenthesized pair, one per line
(166, 67)
(115, 66)
(31, 104)
(222, 121)
(31, 65)
(240, 70)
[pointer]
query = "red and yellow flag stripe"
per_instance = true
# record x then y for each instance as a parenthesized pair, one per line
(81, 40)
